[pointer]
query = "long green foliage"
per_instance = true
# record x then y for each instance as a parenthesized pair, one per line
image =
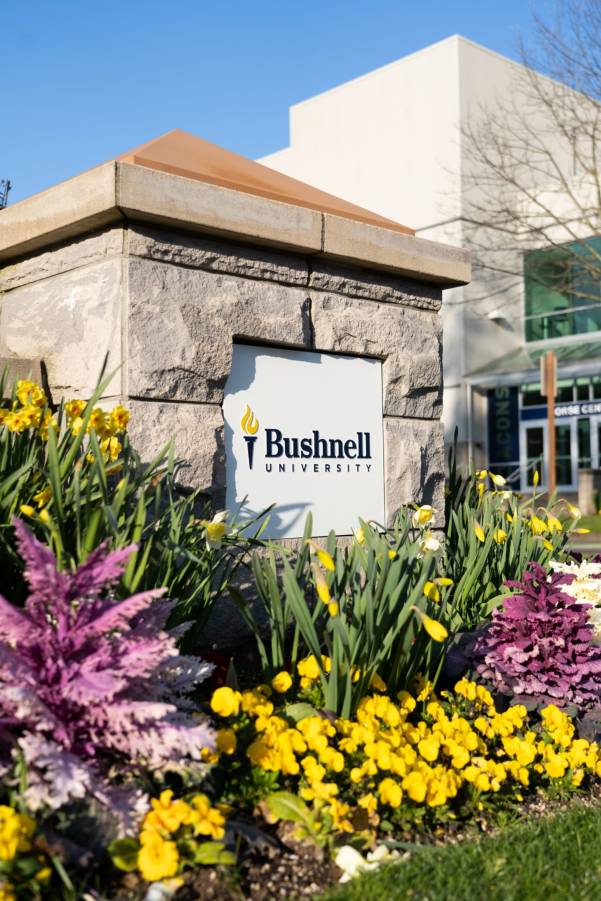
(124, 501)
(491, 536)
(365, 622)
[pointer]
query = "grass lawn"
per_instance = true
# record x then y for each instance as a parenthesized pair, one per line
(546, 859)
(590, 522)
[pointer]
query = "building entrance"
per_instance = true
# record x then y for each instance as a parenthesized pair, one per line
(578, 444)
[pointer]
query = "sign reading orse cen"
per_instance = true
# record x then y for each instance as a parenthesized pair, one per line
(303, 430)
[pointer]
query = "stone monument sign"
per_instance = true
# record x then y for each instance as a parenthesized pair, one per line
(217, 284)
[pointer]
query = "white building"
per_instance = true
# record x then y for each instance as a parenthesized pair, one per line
(392, 142)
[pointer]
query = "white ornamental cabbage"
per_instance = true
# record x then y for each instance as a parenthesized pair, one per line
(585, 588)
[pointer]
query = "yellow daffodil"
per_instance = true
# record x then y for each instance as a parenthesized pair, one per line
(321, 586)
(430, 544)
(423, 515)
(326, 559)
(42, 497)
(215, 529)
(377, 683)
(359, 535)
(497, 480)
(27, 510)
(333, 608)
(479, 531)
(500, 536)
(432, 592)
(119, 418)
(74, 409)
(537, 525)
(553, 523)
(435, 630)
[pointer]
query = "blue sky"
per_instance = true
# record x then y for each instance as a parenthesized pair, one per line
(83, 82)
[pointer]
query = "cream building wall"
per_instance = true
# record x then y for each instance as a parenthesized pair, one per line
(392, 141)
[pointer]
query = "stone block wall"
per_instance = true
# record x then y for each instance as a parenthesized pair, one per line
(168, 306)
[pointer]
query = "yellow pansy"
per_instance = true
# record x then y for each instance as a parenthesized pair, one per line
(226, 741)
(282, 682)
(157, 859)
(225, 701)
(390, 792)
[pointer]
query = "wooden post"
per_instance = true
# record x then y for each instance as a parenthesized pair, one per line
(548, 369)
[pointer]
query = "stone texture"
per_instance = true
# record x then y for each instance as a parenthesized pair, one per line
(19, 368)
(198, 252)
(377, 286)
(383, 248)
(70, 321)
(197, 433)
(79, 252)
(414, 465)
(159, 196)
(182, 323)
(73, 207)
(407, 340)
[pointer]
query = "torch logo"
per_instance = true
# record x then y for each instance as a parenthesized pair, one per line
(250, 426)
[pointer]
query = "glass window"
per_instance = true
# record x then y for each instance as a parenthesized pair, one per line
(565, 391)
(582, 389)
(584, 443)
(563, 439)
(596, 385)
(563, 290)
(535, 447)
(531, 396)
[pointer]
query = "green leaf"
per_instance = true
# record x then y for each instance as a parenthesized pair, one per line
(286, 806)
(300, 711)
(124, 853)
(212, 853)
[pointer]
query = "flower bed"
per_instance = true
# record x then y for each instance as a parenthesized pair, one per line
(406, 687)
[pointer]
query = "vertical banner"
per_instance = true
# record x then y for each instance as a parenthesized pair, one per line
(503, 427)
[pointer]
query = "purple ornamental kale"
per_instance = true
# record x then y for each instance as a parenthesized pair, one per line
(92, 689)
(540, 644)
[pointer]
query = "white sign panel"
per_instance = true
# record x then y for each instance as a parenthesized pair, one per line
(304, 431)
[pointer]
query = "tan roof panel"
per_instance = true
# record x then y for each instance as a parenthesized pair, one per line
(182, 153)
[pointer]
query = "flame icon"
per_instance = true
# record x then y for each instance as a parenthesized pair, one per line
(249, 422)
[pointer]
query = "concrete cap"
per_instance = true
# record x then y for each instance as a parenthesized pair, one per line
(180, 181)
(182, 153)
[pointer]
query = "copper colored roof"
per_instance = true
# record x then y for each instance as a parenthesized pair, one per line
(182, 153)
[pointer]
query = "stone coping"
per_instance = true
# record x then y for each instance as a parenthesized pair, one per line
(119, 191)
